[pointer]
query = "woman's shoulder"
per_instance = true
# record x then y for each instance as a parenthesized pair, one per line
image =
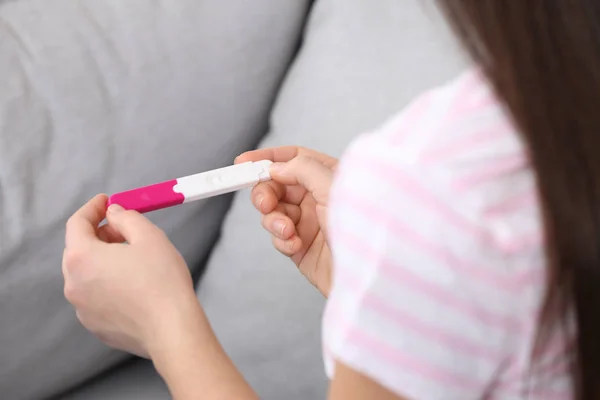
(459, 139)
(451, 122)
(454, 167)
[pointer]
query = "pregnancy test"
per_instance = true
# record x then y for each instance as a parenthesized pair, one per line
(193, 187)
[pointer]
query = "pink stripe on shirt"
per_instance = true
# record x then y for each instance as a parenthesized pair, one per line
(489, 277)
(409, 280)
(402, 317)
(393, 357)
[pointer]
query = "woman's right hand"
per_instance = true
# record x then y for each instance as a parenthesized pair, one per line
(294, 207)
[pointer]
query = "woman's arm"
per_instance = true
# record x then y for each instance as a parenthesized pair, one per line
(193, 363)
(139, 297)
(349, 384)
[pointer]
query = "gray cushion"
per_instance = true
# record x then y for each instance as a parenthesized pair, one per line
(360, 62)
(105, 96)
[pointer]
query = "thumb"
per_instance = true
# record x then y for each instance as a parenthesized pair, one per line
(132, 225)
(305, 171)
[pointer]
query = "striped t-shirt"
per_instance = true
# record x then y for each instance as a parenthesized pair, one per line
(439, 263)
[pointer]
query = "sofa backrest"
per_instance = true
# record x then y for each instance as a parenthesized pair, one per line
(104, 96)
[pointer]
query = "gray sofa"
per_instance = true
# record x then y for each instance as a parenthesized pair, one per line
(108, 95)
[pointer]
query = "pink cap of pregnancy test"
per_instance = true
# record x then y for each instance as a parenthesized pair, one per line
(148, 198)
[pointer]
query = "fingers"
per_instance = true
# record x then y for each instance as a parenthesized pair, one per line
(282, 221)
(266, 195)
(130, 225)
(285, 154)
(287, 247)
(281, 224)
(307, 172)
(81, 227)
(64, 264)
(109, 234)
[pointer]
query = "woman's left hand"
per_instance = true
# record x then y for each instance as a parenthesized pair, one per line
(132, 296)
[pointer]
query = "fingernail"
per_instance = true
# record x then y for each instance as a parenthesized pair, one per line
(276, 167)
(279, 226)
(115, 208)
(259, 200)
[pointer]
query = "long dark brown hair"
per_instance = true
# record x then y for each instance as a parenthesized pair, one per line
(543, 59)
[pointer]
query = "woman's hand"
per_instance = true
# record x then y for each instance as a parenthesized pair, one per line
(294, 207)
(131, 296)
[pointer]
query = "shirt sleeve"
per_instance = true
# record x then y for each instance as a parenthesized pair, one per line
(419, 302)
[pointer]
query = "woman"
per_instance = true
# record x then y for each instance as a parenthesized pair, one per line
(458, 246)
